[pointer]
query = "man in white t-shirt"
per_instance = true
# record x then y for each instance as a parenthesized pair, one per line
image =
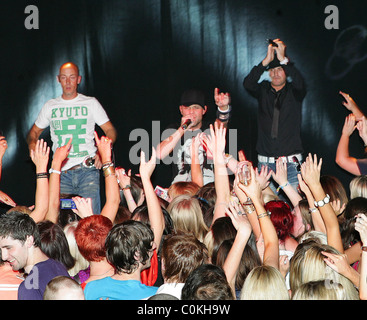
(74, 115)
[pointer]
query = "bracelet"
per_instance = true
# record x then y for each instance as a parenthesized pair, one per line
(54, 171)
(229, 108)
(107, 165)
(227, 157)
(262, 215)
(126, 187)
(109, 171)
(42, 175)
(223, 117)
(284, 61)
(312, 210)
(322, 202)
(282, 186)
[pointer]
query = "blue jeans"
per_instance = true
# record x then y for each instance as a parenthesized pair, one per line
(292, 178)
(83, 182)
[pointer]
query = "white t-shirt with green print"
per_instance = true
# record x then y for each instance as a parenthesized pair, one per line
(74, 119)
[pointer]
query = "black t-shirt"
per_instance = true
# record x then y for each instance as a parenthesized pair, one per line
(180, 157)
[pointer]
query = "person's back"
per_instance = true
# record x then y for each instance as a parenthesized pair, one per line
(112, 289)
(129, 248)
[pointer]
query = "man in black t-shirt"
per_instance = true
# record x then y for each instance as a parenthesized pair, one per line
(178, 143)
(280, 110)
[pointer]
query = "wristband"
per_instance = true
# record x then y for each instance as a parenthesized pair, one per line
(42, 175)
(282, 186)
(126, 187)
(54, 171)
(224, 116)
(229, 109)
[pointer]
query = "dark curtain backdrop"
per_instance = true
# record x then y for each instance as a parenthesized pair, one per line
(136, 57)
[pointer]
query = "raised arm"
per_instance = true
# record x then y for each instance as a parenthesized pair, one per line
(310, 170)
(155, 213)
(124, 183)
(317, 221)
(242, 197)
(243, 227)
(196, 173)
(168, 144)
(40, 157)
(221, 180)
(223, 101)
(281, 177)
(271, 241)
(60, 155)
(351, 105)
(343, 159)
(111, 205)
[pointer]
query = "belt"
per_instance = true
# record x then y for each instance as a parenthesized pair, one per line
(78, 166)
(285, 158)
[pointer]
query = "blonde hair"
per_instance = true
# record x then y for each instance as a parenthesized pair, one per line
(22, 209)
(358, 187)
(182, 187)
(264, 283)
(80, 262)
(187, 216)
(314, 268)
(320, 290)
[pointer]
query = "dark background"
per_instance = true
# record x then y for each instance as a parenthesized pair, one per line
(137, 56)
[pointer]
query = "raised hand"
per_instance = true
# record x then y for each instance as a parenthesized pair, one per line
(104, 145)
(40, 155)
(281, 174)
(62, 153)
(146, 169)
(311, 169)
(222, 100)
(349, 125)
(83, 207)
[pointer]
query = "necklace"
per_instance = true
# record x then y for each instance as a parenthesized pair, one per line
(98, 275)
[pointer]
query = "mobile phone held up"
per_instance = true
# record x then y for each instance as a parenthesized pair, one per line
(161, 192)
(67, 204)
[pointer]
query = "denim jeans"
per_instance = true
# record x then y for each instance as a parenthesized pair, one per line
(292, 178)
(83, 182)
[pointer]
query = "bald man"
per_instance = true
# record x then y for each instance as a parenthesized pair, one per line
(74, 116)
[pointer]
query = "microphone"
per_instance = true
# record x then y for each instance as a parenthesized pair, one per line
(186, 124)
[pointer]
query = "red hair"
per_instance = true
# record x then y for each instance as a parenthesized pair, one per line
(281, 216)
(90, 236)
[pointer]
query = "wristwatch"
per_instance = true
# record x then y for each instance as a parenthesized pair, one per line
(321, 203)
